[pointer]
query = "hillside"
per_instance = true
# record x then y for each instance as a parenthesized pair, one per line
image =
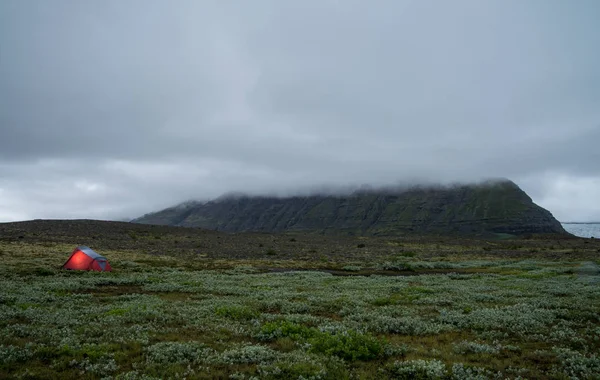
(499, 207)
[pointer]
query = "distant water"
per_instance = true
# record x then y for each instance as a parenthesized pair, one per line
(583, 230)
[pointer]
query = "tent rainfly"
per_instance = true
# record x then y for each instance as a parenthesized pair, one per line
(84, 258)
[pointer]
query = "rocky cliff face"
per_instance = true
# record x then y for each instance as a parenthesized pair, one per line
(486, 209)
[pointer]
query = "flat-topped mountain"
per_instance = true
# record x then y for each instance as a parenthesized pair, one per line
(498, 207)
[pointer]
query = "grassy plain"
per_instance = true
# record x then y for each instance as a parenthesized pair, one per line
(198, 304)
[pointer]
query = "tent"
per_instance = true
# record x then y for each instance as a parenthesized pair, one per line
(84, 258)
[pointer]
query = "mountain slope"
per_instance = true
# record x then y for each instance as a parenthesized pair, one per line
(499, 207)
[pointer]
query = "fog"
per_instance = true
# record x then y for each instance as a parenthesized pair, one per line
(112, 109)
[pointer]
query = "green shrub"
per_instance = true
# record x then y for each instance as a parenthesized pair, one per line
(116, 312)
(576, 365)
(15, 354)
(417, 370)
(91, 351)
(350, 345)
(383, 301)
(246, 355)
(285, 370)
(466, 347)
(461, 371)
(397, 266)
(175, 353)
(330, 368)
(237, 312)
(279, 329)
(46, 353)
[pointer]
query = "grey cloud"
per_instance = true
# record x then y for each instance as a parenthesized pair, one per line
(210, 97)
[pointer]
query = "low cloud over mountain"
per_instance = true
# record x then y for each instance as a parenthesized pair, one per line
(113, 109)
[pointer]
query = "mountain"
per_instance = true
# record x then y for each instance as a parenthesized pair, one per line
(493, 207)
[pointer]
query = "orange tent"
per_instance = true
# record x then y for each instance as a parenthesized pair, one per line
(84, 258)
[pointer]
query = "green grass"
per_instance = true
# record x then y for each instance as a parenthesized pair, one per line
(461, 311)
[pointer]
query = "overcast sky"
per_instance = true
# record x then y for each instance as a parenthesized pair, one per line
(112, 109)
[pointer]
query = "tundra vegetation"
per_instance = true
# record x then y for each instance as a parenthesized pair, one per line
(180, 305)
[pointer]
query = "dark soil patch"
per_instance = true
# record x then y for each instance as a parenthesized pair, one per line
(119, 290)
(365, 273)
(113, 291)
